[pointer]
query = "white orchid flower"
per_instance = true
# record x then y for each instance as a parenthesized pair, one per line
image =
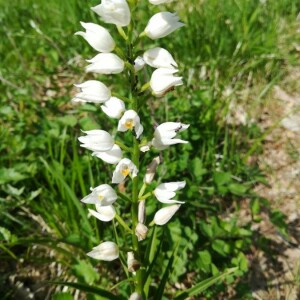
(103, 213)
(97, 140)
(114, 12)
(129, 121)
(163, 80)
(105, 63)
(112, 156)
(164, 215)
(114, 108)
(107, 251)
(92, 91)
(164, 135)
(157, 2)
(102, 195)
(159, 58)
(124, 168)
(166, 191)
(162, 24)
(97, 36)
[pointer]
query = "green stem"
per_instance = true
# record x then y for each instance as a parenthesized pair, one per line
(122, 146)
(135, 157)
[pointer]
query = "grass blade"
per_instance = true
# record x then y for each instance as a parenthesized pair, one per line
(203, 285)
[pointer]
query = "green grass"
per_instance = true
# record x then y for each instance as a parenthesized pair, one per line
(237, 45)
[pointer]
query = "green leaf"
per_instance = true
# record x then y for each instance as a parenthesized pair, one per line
(197, 169)
(221, 247)
(204, 261)
(204, 285)
(10, 174)
(89, 289)
(85, 271)
(237, 189)
(62, 296)
(221, 178)
(68, 120)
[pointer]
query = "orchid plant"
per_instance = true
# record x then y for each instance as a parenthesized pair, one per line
(126, 159)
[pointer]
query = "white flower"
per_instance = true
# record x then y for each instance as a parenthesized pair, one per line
(92, 91)
(139, 63)
(163, 80)
(141, 231)
(164, 135)
(105, 63)
(159, 58)
(124, 167)
(102, 195)
(97, 140)
(103, 213)
(166, 191)
(157, 2)
(162, 24)
(114, 12)
(114, 108)
(112, 156)
(107, 251)
(97, 36)
(164, 215)
(130, 120)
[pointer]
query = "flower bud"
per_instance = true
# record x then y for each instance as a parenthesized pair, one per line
(92, 91)
(105, 63)
(159, 58)
(139, 63)
(132, 264)
(114, 108)
(151, 169)
(97, 36)
(114, 12)
(135, 296)
(141, 231)
(162, 80)
(107, 251)
(141, 211)
(164, 215)
(162, 24)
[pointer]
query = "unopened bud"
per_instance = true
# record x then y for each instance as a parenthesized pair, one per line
(141, 211)
(164, 215)
(132, 264)
(141, 231)
(135, 296)
(151, 169)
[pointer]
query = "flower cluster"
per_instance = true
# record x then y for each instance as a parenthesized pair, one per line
(106, 146)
